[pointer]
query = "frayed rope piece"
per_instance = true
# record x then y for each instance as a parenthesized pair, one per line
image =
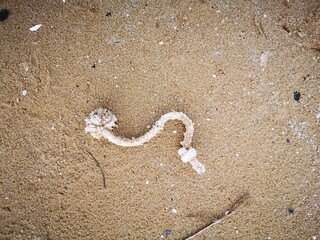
(101, 122)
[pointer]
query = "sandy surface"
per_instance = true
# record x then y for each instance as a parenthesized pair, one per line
(232, 66)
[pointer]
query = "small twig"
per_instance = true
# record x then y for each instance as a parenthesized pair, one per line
(258, 24)
(221, 217)
(99, 166)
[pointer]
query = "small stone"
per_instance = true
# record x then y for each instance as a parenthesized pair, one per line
(301, 34)
(174, 210)
(296, 96)
(4, 14)
(218, 53)
(166, 233)
(291, 211)
(161, 43)
(24, 93)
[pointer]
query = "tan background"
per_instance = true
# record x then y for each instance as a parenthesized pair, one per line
(232, 66)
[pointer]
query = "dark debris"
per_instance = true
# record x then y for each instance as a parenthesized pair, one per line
(4, 14)
(166, 233)
(296, 95)
(291, 211)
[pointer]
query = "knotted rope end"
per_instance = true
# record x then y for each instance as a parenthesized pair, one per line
(97, 120)
(189, 155)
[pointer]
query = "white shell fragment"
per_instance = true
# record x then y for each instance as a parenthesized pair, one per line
(101, 122)
(264, 59)
(24, 93)
(35, 27)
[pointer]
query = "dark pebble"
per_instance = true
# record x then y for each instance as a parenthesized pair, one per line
(109, 14)
(291, 211)
(288, 140)
(296, 95)
(93, 66)
(4, 14)
(167, 233)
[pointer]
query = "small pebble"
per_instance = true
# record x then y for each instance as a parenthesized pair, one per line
(296, 96)
(166, 233)
(24, 92)
(291, 211)
(4, 14)
(218, 53)
(174, 210)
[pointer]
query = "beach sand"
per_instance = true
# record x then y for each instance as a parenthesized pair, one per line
(247, 74)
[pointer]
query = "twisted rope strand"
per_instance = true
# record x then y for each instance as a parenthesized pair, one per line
(101, 122)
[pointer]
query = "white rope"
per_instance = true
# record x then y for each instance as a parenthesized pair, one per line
(101, 122)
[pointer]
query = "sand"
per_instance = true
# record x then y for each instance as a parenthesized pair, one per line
(231, 66)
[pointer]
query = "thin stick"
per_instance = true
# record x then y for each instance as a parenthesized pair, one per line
(221, 217)
(99, 166)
